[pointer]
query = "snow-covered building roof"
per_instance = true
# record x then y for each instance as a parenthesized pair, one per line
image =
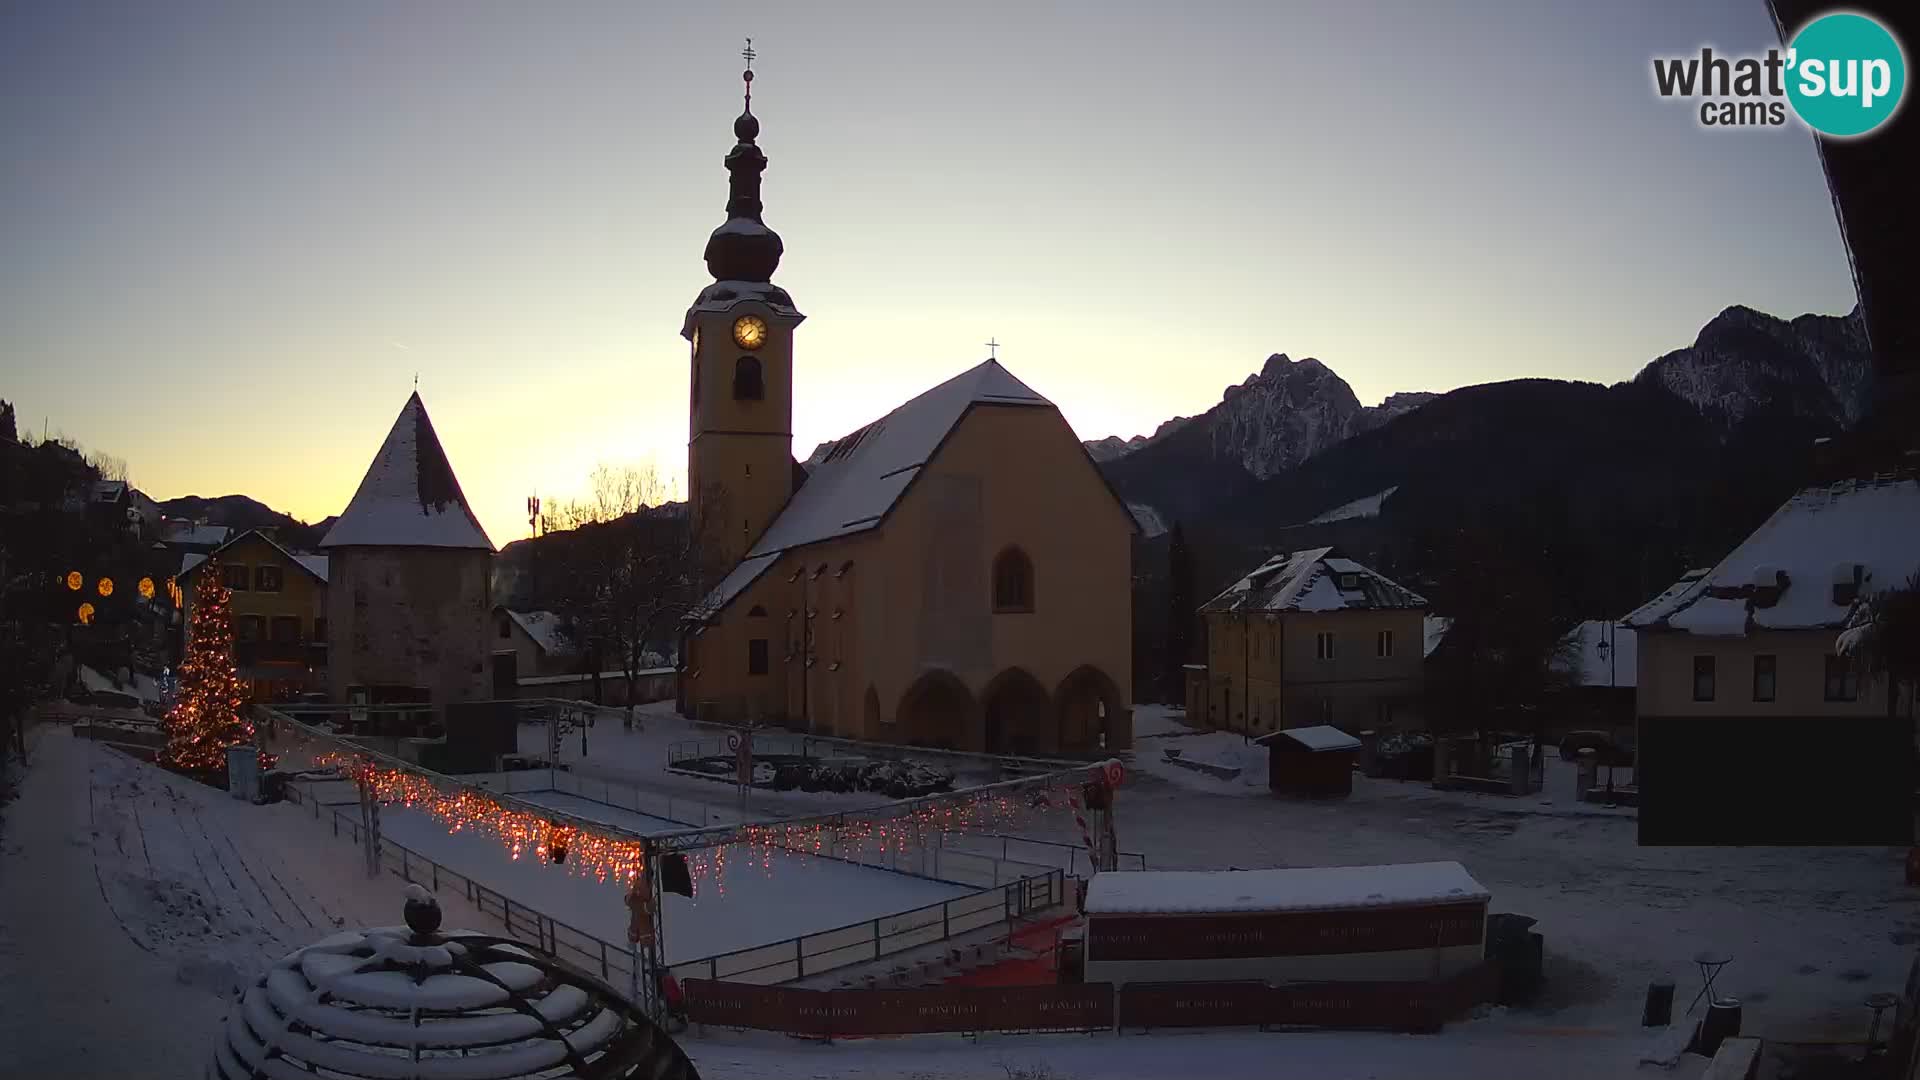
(859, 479)
(312, 564)
(1809, 566)
(109, 491)
(1313, 580)
(1316, 738)
(409, 497)
(1436, 627)
(1364, 507)
(1601, 653)
(1318, 888)
(183, 533)
(143, 687)
(545, 630)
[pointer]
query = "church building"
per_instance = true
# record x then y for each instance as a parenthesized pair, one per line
(956, 573)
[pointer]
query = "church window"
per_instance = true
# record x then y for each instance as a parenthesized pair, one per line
(747, 384)
(757, 656)
(1013, 581)
(758, 612)
(506, 629)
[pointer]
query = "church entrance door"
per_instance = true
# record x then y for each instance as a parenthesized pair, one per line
(936, 710)
(1017, 715)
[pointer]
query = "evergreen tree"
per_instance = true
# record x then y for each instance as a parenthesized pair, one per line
(1886, 643)
(1180, 613)
(206, 719)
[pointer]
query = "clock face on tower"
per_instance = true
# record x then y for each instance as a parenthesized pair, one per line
(749, 332)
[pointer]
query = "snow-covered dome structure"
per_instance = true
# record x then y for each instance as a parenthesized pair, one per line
(412, 1003)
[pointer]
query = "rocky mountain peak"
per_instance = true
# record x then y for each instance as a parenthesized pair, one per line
(1743, 361)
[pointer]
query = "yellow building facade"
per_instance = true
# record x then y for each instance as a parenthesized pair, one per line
(1311, 638)
(278, 613)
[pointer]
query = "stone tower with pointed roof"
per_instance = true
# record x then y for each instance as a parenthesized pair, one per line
(410, 570)
(956, 573)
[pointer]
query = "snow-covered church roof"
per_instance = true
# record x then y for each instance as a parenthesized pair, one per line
(1856, 534)
(860, 478)
(1313, 580)
(409, 497)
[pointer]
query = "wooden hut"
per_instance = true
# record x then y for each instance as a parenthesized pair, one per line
(1313, 761)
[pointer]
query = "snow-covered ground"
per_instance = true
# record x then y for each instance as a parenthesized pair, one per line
(131, 901)
(1812, 931)
(761, 897)
(111, 957)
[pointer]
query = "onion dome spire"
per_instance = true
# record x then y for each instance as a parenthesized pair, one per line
(744, 249)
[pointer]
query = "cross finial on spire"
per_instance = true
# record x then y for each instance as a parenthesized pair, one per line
(748, 54)
(993, 349)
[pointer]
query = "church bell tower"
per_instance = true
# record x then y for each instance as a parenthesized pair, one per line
(740, 401)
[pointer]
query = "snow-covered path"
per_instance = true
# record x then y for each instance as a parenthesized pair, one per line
(132, 901)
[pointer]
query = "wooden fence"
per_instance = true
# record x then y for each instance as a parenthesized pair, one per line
(1346, 1006)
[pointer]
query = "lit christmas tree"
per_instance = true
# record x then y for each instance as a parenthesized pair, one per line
(205, 718)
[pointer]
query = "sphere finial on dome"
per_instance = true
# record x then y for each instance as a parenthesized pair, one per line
(422, 911)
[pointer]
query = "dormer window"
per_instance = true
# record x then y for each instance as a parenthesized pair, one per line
(1349, 582)
(1847, 578)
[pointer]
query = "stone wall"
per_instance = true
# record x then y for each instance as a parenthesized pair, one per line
(410, 617)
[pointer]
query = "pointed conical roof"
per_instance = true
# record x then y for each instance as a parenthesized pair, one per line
(409, 497)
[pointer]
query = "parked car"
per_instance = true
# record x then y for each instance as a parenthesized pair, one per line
(1606, 749)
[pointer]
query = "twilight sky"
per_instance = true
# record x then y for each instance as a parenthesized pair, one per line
(234, 232)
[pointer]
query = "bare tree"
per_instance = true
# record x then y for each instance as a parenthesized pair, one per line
(636, 571)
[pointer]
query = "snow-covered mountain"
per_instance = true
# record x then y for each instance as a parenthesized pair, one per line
(1816, 367)
(1284, 414)
(1114, 446)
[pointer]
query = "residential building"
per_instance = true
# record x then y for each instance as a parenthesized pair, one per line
(1313, 638)
(411, 575)
(1748, 709)
(956, 573)
(529, 644)
(278, 613)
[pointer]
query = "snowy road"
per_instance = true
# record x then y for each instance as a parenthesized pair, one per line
(131, 901)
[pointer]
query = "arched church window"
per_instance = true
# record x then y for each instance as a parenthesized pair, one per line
(1012, 581)
(747, 384)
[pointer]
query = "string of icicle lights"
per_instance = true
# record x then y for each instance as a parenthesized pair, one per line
(619, 858)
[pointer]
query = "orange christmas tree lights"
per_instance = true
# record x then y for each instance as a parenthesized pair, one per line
(206, 719)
